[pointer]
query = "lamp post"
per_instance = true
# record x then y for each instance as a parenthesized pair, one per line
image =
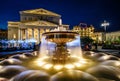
(105, 24)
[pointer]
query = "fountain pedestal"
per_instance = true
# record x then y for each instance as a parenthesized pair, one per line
(60, 54)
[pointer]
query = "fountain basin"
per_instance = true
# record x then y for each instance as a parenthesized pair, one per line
(60, 37)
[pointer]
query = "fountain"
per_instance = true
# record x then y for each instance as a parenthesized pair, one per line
(62, 56)
(60, 59)
(60, 38)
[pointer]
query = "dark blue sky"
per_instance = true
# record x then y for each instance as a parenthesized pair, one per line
(73, 11)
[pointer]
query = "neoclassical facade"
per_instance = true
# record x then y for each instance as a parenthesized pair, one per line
(33, 23)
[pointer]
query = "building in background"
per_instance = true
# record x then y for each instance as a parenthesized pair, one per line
(33, 23)
(99, 35)
(89, 31)
(3, 34)
(113, 36)
(84, 30)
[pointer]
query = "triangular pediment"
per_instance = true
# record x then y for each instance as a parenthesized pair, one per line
(40, 11)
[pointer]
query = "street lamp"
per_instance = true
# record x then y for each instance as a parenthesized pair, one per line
(105, 24)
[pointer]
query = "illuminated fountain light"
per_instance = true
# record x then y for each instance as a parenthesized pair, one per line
(78, 65)
(40, 63)
(83, 61)
(58, 67)
(69, 66)
(48, 66)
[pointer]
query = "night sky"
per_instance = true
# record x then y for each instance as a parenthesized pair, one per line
(73, 11)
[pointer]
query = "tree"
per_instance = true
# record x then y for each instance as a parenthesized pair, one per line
(86, 40)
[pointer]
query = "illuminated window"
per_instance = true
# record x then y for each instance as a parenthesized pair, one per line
(14, 36)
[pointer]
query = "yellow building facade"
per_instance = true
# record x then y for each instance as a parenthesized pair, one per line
(33, 23)
(98, 37)
(87, 31)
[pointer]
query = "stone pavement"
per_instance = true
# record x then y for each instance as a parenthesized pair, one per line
(109, 51)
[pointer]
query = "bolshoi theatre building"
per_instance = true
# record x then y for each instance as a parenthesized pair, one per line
(33, 23)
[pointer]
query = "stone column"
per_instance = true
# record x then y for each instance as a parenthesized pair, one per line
(32, 33)
(19, 34)
(26, 33)
(38, 35)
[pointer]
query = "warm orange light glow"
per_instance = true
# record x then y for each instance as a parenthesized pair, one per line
(45, 64)
(48, 66)
(39, 63)
(78, 64)
(69, 66)
(58, 67)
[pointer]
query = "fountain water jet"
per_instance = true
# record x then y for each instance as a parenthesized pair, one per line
(43, 47)
(75, 47)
